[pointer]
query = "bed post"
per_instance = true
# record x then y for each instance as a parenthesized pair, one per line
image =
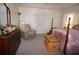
(52, 24)
(51, 28)
(66, 40)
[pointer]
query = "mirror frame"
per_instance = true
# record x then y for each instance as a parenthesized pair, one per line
(8, 15)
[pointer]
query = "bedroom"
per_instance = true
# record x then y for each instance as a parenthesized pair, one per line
(38, 16)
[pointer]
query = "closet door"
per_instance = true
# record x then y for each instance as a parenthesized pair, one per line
(43, 23)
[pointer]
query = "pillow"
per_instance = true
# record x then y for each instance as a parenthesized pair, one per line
(76, 27)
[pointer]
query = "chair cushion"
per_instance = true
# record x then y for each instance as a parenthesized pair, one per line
(25, 27)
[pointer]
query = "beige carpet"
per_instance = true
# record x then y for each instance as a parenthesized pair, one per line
(33, 46)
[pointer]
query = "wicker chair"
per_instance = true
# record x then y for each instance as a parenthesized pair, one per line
(27, 32)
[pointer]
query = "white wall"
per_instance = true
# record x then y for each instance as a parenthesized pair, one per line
(40, 19)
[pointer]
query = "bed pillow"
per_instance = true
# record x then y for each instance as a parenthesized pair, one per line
(76, 27)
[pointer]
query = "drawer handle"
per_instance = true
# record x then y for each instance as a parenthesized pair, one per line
(54, 46)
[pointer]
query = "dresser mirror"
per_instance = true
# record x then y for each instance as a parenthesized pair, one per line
(3, 15)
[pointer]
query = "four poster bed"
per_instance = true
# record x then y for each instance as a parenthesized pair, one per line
(68, 38)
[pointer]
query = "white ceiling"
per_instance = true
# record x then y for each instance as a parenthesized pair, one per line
(46, 5)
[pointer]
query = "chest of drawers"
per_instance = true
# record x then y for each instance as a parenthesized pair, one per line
(10, 43)
(51, 43)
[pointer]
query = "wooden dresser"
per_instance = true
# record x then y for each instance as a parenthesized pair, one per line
(9, 43)
(51, 43)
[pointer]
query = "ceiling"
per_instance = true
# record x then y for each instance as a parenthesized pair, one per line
(46, 5)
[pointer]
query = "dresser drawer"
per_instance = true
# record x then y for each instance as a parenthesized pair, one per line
(51, 38)
(51, 43)
(53, 48)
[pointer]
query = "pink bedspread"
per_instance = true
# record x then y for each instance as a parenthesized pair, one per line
(73, 42)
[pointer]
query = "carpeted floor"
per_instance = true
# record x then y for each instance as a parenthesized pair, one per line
(33, 46)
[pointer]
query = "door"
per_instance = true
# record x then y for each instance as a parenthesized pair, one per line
(43, 22)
